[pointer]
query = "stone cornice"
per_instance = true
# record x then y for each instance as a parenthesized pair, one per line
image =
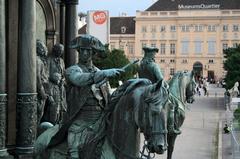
(187, 18)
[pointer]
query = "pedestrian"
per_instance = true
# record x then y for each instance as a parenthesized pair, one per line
(198, 90)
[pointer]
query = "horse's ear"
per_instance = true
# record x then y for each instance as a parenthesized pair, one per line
(192, 73)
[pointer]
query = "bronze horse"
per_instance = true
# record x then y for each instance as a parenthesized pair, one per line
(182, 90)
(136, 106)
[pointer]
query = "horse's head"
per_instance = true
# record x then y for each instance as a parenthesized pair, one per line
(183, 85)
(190, 88)
(152, 119)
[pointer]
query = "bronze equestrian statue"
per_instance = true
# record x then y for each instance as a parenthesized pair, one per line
(150, 69)
(181, 90)
(100, 126)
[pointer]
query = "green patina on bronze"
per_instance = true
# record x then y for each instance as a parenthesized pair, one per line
(181, 90)
(100, 125)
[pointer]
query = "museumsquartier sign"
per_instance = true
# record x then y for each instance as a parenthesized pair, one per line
(199, 6)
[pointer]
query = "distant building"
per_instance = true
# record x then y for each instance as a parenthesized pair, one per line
(190, 34)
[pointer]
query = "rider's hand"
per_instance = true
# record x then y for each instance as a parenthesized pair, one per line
(112, 72)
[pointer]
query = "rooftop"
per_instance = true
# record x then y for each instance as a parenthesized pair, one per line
(173, 5)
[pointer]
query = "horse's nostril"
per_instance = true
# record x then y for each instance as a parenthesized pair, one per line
(151, 148)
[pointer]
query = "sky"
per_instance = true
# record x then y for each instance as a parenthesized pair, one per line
(115, 7)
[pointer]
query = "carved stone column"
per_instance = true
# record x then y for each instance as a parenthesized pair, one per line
(71, 30)
(62, 21)
(3, 95)
(27, 96)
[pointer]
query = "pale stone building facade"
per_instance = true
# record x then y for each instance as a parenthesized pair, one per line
(190, 34)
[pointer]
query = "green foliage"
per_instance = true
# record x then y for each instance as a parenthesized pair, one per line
(116, 59)
(236, 114)
(232, 66)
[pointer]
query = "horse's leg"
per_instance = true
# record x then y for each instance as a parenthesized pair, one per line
(107, 152)
(171, 141)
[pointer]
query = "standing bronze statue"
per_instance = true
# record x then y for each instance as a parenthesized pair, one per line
(56, 107)
(42, 78)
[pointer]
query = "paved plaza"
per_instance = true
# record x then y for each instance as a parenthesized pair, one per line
(199, 138)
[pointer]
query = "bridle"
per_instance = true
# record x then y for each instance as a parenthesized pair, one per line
(145, 125)
(190, 91)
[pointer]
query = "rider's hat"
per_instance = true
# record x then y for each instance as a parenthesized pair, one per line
(87, 41)
(147, 49)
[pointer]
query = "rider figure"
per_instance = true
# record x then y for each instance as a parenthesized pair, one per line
(86, 97)
(151, 70)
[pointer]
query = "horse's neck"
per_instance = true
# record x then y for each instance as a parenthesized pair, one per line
(124, 133)
(178, 89)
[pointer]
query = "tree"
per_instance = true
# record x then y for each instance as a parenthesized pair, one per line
(115, 59)
(232, 66)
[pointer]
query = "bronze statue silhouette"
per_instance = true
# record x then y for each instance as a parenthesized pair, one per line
(150, 69)
(97, 129)
(182, 90)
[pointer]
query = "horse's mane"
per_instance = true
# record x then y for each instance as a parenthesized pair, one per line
(173, 82)
(126, 88)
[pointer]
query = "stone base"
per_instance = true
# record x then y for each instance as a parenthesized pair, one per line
(29, 156)
(4, 154)
(7, 157)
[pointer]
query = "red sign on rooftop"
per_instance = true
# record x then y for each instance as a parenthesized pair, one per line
(99, 17)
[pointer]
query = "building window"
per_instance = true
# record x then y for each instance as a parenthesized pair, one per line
(235, 45)
(185, 28)
(224, 46)
(172, 48)
(153, 44)
(198, 47)
(121, 47)
(162, 61)
(211, 28)
(184, 61)
(173, 28)
(143, 45)
(153, 28)
(225, 28)
(144, 29)
(172, 71)
(235, 27)
(210, 61)
(198, 28)
(112, 46)
(162, 28)
(163, 72)
(162, 48)
(130, 49)
(185, 46)
(153, 35)
(123, 29)
(172, 61)
(211, 47)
